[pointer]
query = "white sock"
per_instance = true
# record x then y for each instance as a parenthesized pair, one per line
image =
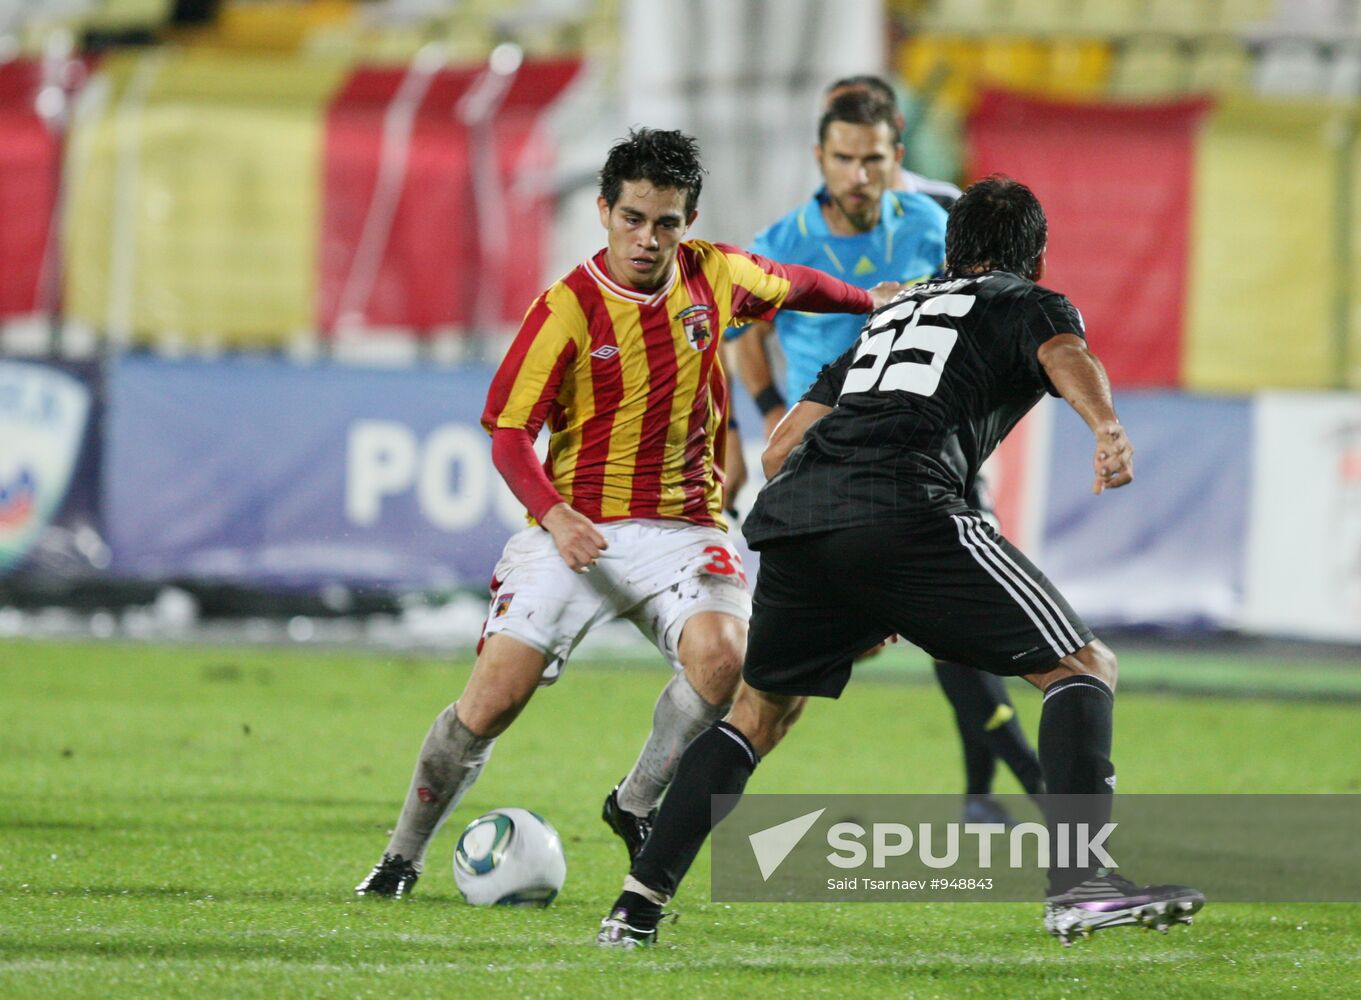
(681, 715)
(452, 757)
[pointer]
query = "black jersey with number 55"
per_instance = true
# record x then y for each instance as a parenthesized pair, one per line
(937, 378)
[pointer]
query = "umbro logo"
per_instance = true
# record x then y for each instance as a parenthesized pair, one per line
(605, 353)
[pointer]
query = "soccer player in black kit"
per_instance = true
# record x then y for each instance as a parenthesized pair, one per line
(864, 532)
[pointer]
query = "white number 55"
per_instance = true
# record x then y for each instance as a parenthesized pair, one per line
(900, 329)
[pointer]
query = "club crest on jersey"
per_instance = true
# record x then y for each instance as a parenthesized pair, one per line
(695, 321)
(502, 605)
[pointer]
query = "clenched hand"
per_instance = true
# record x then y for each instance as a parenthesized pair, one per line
(578, 540)
(1114, 460)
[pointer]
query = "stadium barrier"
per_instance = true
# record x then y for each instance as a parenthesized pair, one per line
(50, 458)
(271, 475)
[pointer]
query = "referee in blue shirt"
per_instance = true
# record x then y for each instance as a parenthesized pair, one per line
(873, 221)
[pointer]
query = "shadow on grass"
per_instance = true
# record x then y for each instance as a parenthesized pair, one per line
(341, 893)
(322, 949)
(50, 824)
(250, 797)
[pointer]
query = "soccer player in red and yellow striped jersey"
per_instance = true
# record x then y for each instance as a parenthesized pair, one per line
(630, 384)
(620, 360)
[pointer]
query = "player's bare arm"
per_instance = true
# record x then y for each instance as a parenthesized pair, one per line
(1081, 379)
(752, 353)
(578, 540)
(789, 433)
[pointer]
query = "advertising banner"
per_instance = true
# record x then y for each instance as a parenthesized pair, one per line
(277, 474)
(269, 473)
(1304, 565)
(1168, 549)
(49, 462)
(274, 473)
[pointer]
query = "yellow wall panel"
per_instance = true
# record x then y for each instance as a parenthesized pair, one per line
(277, 26)
(1015, 63)
(1264, 276)
(195, 187)
(123, 14)
(1079, 68)
(943, 66)
(1351, 335)
(1149, 67)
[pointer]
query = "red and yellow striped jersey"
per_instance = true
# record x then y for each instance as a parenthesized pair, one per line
(630, 384)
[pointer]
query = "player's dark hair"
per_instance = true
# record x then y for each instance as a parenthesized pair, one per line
(876, 85)
(859, 107)
(665, 159)
(996, 225)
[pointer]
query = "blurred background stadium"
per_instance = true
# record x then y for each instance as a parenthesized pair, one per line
(258, 259)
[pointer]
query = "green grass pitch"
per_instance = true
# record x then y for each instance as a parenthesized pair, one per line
(192, 821)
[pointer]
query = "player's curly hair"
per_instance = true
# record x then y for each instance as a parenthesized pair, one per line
(665, 159)
(996, 225)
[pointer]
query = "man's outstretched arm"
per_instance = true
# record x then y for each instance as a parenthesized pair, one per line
(761, 286)
(789, 432)
(816, 291)
(1080, 378)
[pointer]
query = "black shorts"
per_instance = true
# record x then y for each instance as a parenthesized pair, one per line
(948, 583)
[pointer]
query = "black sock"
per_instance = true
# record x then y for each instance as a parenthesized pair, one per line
(642, 912)
(1076, 727)
(978, 699)
(718, 762)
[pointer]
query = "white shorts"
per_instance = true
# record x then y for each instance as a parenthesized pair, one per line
(656, 574)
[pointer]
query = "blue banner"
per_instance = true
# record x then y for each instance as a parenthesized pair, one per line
(268, 472)
(264, 472)
(1169, 549)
